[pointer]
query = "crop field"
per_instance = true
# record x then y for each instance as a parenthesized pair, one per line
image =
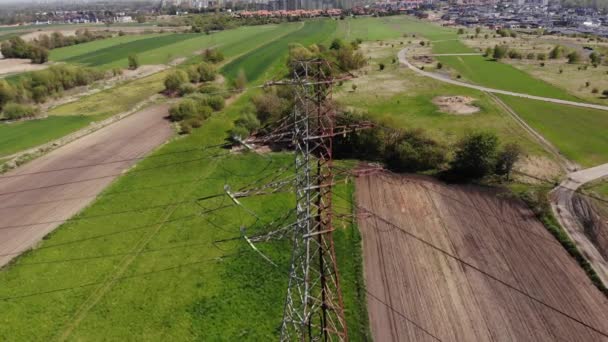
(270, 58)
(162, 48)
(444, 255)
(150, 256)
(20, 136)
(579, 133)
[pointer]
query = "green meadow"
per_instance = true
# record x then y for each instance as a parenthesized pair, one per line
(20, 136)
(579, 133)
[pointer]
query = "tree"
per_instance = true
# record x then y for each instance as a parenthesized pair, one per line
(7, 93)
(174, 80)
(605, 93)
(574, 57)
(500, 51)
(133, 62)
(477, 30)
(354, 87)
(507, 158)
(141, 18)
(381, 66)
(460, 31)
(439, 66)
(475, 155)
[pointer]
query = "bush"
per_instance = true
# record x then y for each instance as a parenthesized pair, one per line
(210, 89)
(595, 91)
(174, 81)
(556, 52)
(185, 128)
(541, 56)
(7, 93)
(213, 56)
(193, 74)
(133, 62)
(381, 66)
(574, 57)
(500, 51)
(194, 122)
(489, 52)
(413, 151)
(15, 111)
(439, 65)
(530, 55)
(186, 88)
(189, 108)
(605, 93)
(207, 72)
(475, 156)
(514, 54)
(507, 158)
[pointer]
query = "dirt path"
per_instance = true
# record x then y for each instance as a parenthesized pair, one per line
(39, 196)
(403, 60)
(461, 263)
(10, 66)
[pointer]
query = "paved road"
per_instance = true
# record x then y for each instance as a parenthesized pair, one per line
(403, 60)
(37, 197)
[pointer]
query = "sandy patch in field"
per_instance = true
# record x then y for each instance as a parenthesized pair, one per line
(13, 66)
(537, 169)
(457, 105)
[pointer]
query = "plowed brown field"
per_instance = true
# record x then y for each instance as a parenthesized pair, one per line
(461, 263)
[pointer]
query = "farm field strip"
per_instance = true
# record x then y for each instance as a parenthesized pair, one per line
(75, 51)
(440, 269)
(268, 58)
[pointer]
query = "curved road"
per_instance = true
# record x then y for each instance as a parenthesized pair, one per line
(403, 60)
(562, 197)
(39, 196)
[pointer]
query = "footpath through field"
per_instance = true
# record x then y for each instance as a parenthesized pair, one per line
(403, 60)
(38, 197)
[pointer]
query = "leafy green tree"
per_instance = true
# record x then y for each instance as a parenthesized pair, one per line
(500, 51)
(336, 44)
(557, 52)
(475, 156)
(595, 58)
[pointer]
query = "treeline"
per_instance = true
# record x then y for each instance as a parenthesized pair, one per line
(18, 48)
(38, 49)
(201, 98)
(36, 87)
(558, 52)
(57, 39)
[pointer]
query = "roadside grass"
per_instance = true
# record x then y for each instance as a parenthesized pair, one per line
(20, 136)
(579, 133)
(114, 100)
(270, 59)
(145, 254)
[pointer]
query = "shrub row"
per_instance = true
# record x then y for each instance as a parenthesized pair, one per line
(18, 48)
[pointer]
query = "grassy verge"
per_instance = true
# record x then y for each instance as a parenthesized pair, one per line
(20, 136)
(114, 100)
(537, 199)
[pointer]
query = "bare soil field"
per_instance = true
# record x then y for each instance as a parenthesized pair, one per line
(463, 263)
(10, 66)
(39, 196)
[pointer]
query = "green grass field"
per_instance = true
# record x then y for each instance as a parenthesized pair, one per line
(579, 133)
(163, 48)
(144, 254)
(23, 135)
(114, 100)
(272, 56)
